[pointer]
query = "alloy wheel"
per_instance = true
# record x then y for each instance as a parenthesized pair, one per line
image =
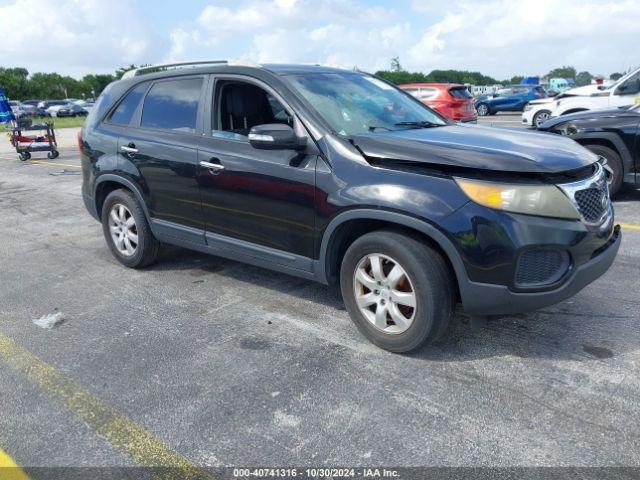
(384, 293)
(542, 117)
(124, 232)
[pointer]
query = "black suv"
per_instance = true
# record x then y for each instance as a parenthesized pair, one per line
(613, 134)
(340, 177)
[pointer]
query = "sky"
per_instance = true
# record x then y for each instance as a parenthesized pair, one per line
(500, 38)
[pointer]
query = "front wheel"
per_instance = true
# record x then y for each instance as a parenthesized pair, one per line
(541, 117)
(397, 290)
(127, 231)
(483, 110)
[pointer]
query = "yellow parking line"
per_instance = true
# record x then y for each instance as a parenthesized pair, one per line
(630, 227)
(43, 162)
(9, 470)
(143, 447)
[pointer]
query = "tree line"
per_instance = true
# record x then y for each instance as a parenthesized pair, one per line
(18, 84)
(398, 75)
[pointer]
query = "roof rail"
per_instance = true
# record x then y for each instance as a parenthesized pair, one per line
(166, 66)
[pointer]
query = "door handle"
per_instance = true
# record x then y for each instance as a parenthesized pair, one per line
(212, 166)
(128, 149)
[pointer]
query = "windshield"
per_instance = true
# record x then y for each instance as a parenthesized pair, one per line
(354, 103)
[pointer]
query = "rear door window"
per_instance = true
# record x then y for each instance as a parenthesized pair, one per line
(172, 105)
(124, 111)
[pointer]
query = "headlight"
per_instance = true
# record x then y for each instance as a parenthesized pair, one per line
(527, 107)
(541, 200)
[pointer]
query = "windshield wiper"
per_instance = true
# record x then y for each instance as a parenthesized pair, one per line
(375, 127)
(419, 124)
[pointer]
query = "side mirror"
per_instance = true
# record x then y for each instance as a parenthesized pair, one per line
(275, 136)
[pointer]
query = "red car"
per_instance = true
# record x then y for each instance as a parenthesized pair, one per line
(450, 99)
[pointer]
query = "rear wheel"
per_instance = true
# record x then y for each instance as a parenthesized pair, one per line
(483, 110)
(397, 290)
(540, 117)
(127, 231)
(614, 167)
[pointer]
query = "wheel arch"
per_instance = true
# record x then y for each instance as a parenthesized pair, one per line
(107, 183)
(345, 228)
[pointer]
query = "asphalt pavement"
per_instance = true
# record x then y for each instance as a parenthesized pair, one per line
(200, 361)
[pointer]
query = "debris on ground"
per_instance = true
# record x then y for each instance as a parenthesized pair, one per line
(65, 172)
(49, 321)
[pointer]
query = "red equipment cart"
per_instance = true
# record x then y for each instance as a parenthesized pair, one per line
(44, 141)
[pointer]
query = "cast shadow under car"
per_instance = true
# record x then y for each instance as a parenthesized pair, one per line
(578, 329)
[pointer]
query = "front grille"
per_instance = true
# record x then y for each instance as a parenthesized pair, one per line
(592, 203)
(541, 267)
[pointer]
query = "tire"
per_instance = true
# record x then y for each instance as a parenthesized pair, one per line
(615, 176)
(52, 155)
(540, 117)
(147, 248)
(483, 110)
(24, 156)
(425, 274)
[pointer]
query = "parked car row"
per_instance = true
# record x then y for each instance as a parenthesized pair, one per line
(456, 103)
(623, 93)
(51, 108)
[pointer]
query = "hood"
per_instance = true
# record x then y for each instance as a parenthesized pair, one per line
(541, 101)
(590, 115)
(476, 147)
(582, 91)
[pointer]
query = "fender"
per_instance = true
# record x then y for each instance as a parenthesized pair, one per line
(110, 177)
(393, 217)
(622, 149)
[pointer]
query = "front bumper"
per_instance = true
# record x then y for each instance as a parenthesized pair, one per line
(490, 299)
(527, 117)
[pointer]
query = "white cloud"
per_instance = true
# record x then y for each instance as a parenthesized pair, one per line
(504, 38)
(327, 31)
(497, 37)
(72, 36)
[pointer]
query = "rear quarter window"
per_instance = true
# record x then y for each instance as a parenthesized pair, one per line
(460, 93)
(172, 105)
(124, 111)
